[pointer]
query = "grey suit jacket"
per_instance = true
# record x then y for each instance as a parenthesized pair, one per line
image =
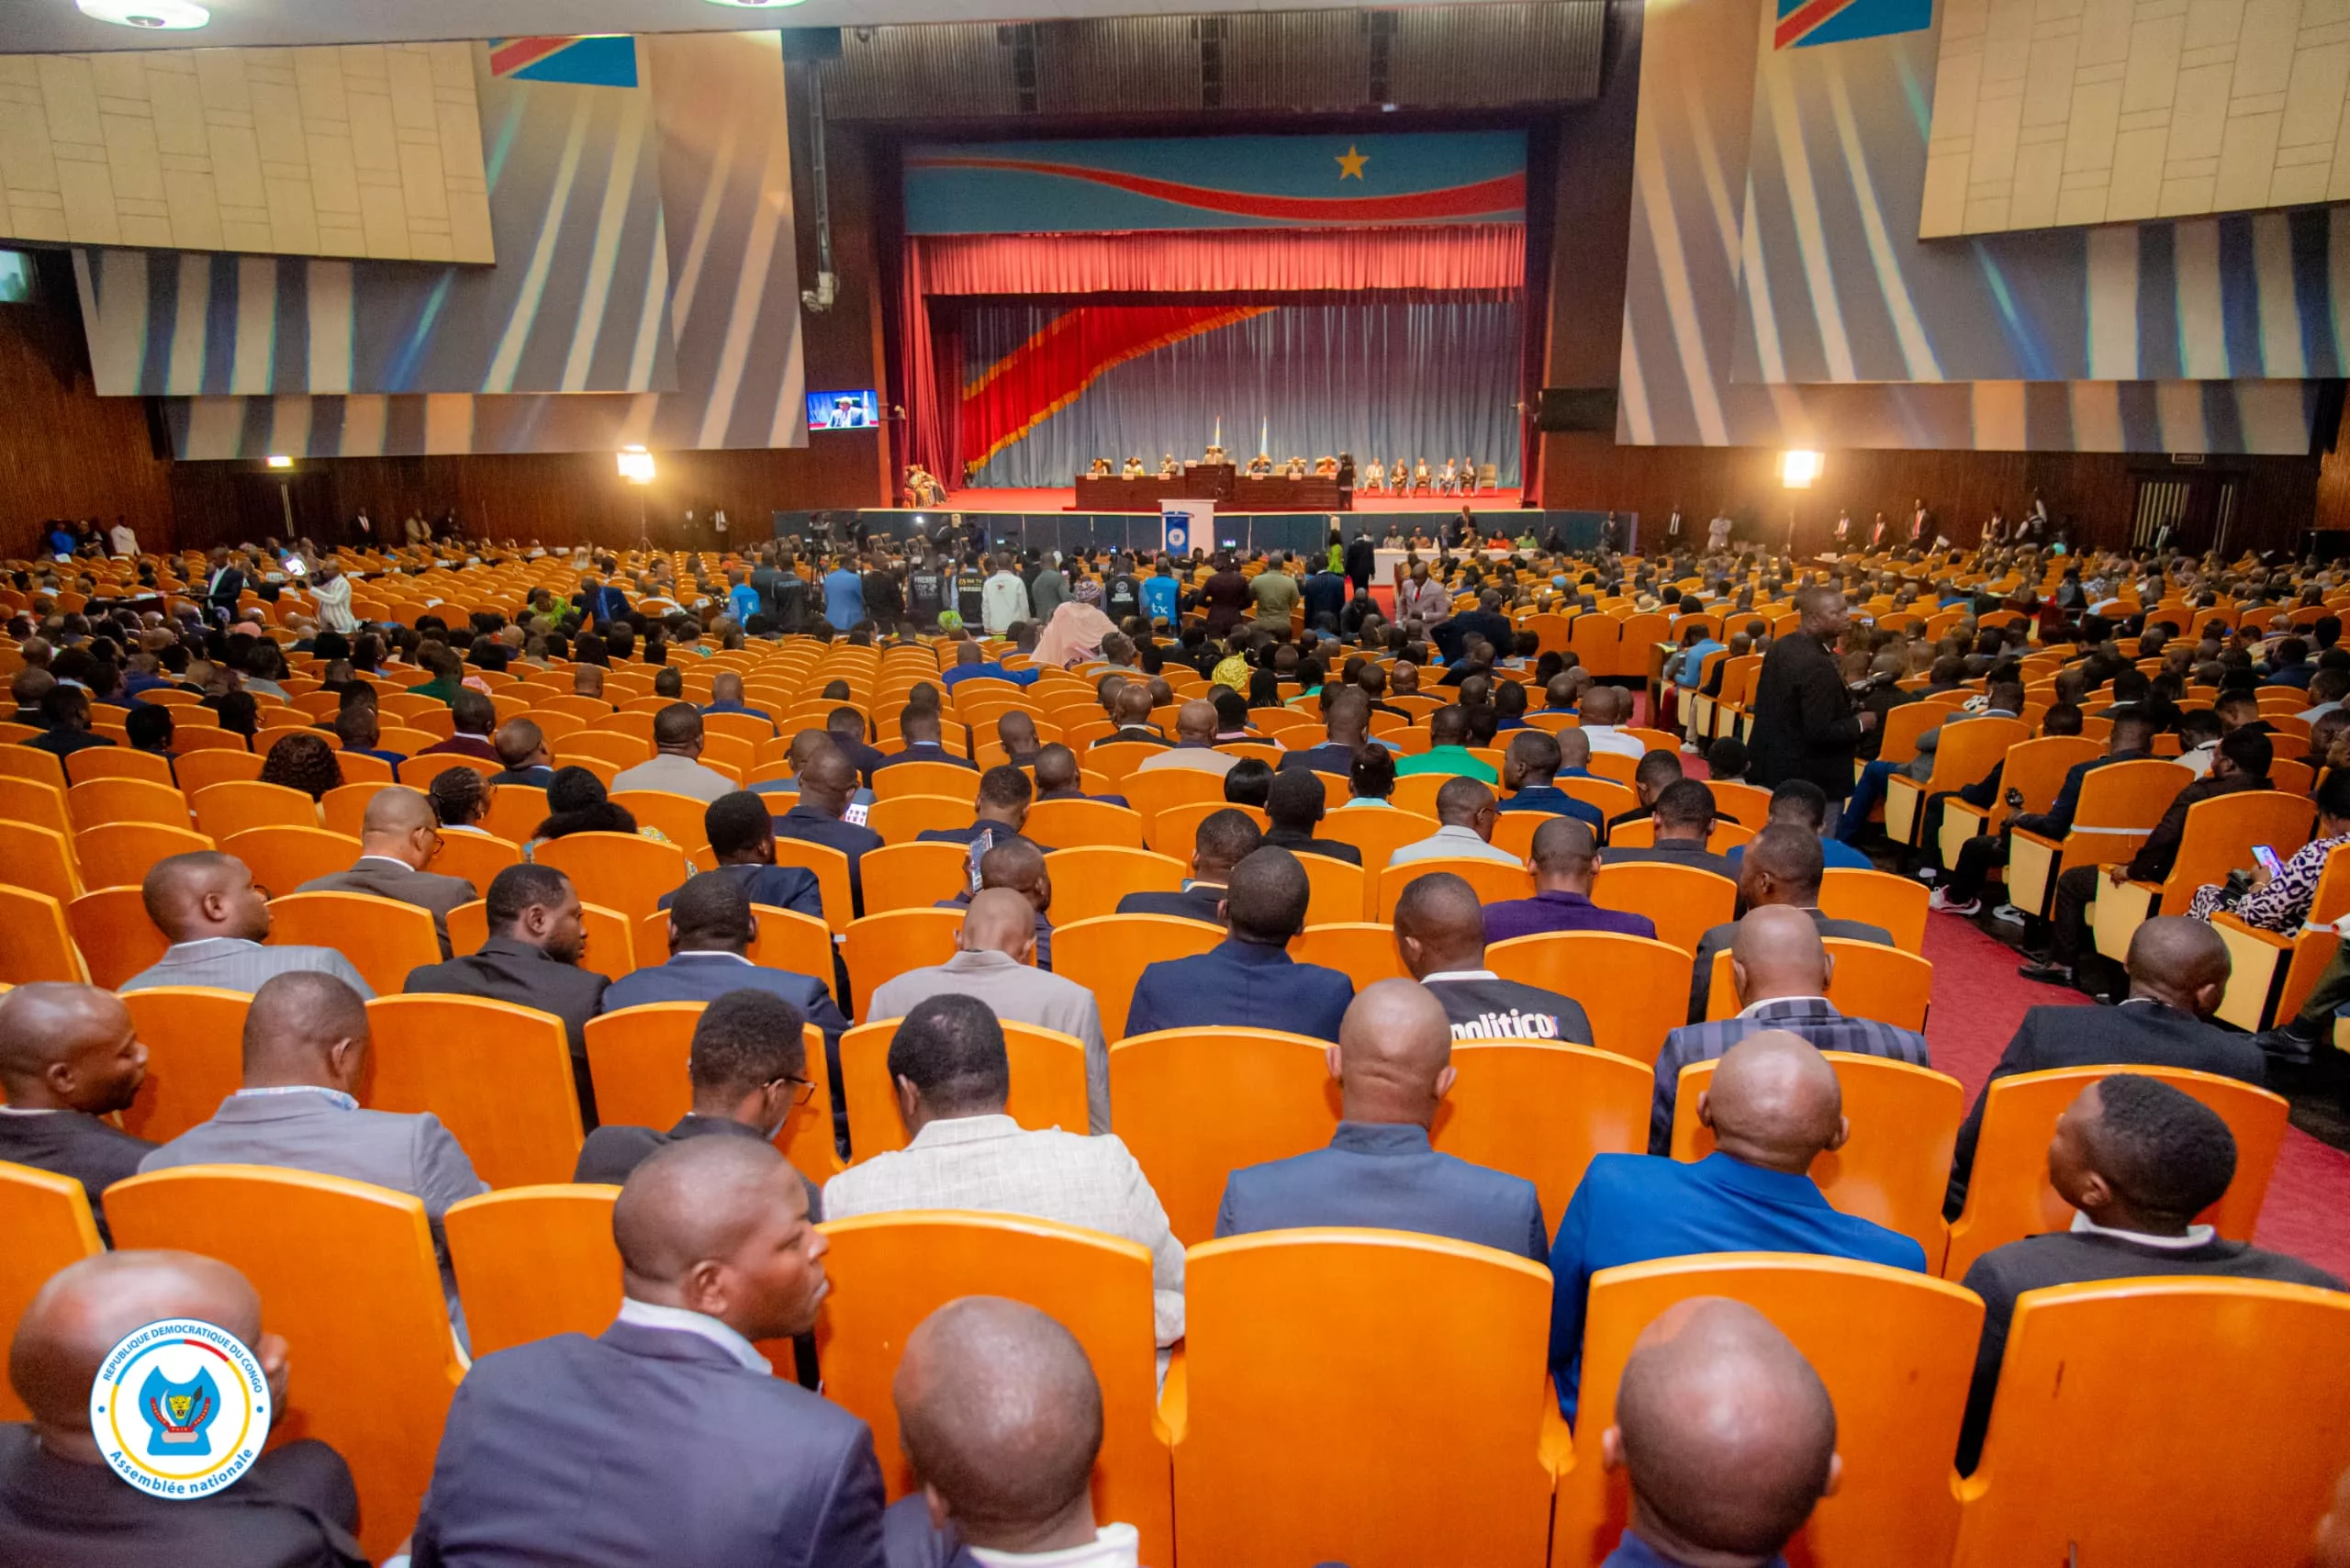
(390, 879)
(231, 963)
(309, 1131)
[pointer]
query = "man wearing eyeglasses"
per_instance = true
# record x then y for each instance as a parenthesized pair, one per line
(398, 838)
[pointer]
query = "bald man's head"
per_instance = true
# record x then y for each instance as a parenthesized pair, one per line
(1440, 925)
(87, 1307)
(827, 779)
(306, 1027)
(2180, 962)
(1728, 1433)
(400, 826)
(69, 1047)
(1000, 921)
(1196, 721)
(1777, 951)
(1774, 1103)
(1394, 1058)
(720, 1226)
(1000, 1417)
(204, 894)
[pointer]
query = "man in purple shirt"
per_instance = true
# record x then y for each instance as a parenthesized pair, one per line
(1566, 858)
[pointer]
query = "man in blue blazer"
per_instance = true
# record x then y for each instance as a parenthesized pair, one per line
(1247, 981)
(1774, 1106)
(586, 1452)
(1393, 1063)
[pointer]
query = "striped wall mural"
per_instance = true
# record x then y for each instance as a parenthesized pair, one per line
(1772, 255)
(716, 296)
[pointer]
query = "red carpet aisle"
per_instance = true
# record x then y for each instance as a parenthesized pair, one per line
(1979, 1001)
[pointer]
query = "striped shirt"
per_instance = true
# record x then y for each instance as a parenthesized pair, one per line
(1810, 1016)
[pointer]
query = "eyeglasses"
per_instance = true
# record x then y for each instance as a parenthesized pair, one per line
(802, 1089)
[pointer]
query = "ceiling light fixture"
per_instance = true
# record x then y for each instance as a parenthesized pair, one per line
(176, 16)
(756, 4)
(279, 460)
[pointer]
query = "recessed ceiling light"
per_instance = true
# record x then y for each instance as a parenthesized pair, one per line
(756, 4)
(173, 15)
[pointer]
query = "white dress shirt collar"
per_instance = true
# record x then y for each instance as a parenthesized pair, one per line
(1113, 1546)
(713, 953)
(652, 1315)
(962, 1129)
(1459, 974)
(2196, 1235)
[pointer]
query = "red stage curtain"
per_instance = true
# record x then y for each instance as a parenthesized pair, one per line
(1459, 256)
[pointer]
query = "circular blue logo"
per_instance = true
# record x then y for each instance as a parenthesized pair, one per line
(1177, 536)
(180, 1407)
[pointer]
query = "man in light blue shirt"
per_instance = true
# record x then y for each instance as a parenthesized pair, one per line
(844, 595)
(1162, 596)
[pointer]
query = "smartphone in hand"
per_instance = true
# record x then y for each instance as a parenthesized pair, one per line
(2267, 858)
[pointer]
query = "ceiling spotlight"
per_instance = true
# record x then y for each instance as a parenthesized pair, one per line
(279, 460)
(174, 15)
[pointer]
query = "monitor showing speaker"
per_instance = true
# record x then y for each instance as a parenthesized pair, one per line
(1589, 408)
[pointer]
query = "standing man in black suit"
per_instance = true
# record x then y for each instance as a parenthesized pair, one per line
(70, 1055)
(1361, 557)
(224, 586)
(538, 934)
(578, 1451)
(61, 1506)
(1804, 725)
(2179, 970)
(1225, 838)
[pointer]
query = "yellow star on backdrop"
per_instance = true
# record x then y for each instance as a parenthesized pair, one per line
(1351, 163)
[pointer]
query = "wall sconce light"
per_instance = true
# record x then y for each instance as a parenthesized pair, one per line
(1798, 468)
(279, 460)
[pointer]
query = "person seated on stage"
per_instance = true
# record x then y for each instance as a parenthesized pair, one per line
(1468, 472)
(1294, 469)
(1325, 467)
(1214, 456)
(1420, 475)
(1448, 478)
(1374, 477)
(1260, 467)
(1134, 469)
(1168, 467)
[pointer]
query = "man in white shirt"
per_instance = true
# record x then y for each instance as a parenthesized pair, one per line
(121, 540)
(995, 961)
(1467, 809)
(1604, 709)
(676, 766)
(1001, 1416)
(953, 1077)
(1003, 599)
(1194, 748)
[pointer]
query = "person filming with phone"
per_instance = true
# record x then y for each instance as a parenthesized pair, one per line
(2276, 894)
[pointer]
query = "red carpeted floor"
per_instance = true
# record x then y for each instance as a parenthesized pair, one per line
(1979, 1001)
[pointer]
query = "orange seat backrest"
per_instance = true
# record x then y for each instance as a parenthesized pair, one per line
(283, 858)
(893, 1271)
(2221, 832)
(2267, 1416)
(1048, 1088)
(1289, 1401)
(1066, 825)
(1634, 989)
(46, 1218)
(1895, 1167)
(34, 944)
(383, 938)
(1160, 788)
(1541, 1109)
(39, 860)
(1089, 880)
(2129, 795)
(121, 854)
(1175, 832)
(1194, 1105)
(679, 817)
(1870, 981)
(104, 801)
(915, 875)
(625, 872)
(941, 779)
(638, 1057)
(119, 762)
(879, 948)
(1107, 955)
(1363, 951)
(193, 1036)
(1894, 1349)
(476, 858)
(31, 800)
(533, 1263)
(1903, 725)
(30, 762)
(498, 1076)
(379, 1363)
(1377, 833)
(831, 866)
(2009, 1195)
(1880, 899)
(1494, 882)
(1684, 902)
(907, 817)
(116, 938)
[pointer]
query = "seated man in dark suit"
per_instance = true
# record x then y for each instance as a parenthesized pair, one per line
(2139, 1161)
(847, 728)
(1000, 1417)
(1682, 820)
(1709, 1486)
(398, 838)
(1016, 863)
(1530, 770)
(69, 1056)
(2179, 970)
(1774, 1106)
(996, 815)
(918, 729)
(1058, 774)
(1656, 772)
(1781, 865)
(1130, 709)
(472, 716)
(1440, 936)
(1780, 969)
(742, 835)
(1249, 981)
(827, 779)
(61, 1506)
(537, 936)
(522, 755)
(1393, 1063)
(1225, 839)
(1294, 806)
(578, 1451)
(1349, 718)
(65, 713)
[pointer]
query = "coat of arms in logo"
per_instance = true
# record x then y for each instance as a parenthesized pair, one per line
(177, 1414)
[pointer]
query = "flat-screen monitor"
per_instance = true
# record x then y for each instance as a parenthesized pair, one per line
(16, 277)
(843, 411)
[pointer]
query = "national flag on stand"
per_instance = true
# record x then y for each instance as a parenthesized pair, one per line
(605, 59)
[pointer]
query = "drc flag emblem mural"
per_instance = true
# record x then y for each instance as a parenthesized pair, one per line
(604, 61)
(1803, 23)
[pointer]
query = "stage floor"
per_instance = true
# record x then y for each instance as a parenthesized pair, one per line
(1064, 501)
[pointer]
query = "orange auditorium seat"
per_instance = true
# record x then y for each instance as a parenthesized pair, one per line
(1194, 1105)
(383, 938)
(194, 1040)
(534, 1262)
(46, 1218)
(637, 1059)
(1107, 955)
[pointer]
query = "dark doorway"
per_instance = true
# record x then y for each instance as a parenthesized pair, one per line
(286, 504)
(2186, 508)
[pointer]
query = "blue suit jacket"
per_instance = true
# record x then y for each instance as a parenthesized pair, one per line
(1632, 1208)
(705, 977)
(646, 1445)
(1240, 985)
(1385, 1177)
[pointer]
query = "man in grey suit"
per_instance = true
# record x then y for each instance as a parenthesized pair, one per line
(217, 917)
(305, 1057)
(396, 840)
(1783, 865)
(579, 1451)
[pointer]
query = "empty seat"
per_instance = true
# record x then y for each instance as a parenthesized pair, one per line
(383, 938)
(34, 944)
(1634, 989)
(119, 855)
(283, 858)
(498, 1076)
(534, 1262)
(1541, 1109)
(116, 938)
(194, 1040)
(1107, 955)
(46, 1218)
(637, 1059)
(622, 871)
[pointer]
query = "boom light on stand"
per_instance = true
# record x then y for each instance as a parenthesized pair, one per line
(636, 468)
(1799, 469)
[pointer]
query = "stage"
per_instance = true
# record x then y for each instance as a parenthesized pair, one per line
(1052, 526)
(1064, 501)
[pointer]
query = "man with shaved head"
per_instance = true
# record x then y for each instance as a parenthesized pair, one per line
(1440, 936)
(1726, 1434)
(827, 779)
(216, 917)
(522, 755)
(2178, 972)
(1016, 863)
(995, 960)
(1393, 1063)
(1249, 981)
(1194, 748)
(1000, 1417)
(1130, 711)
(1225, 839)
(69, 1054)
(61, 1506)
(668, 1438)
(1603, 711)
(1783, 865)
(1565, 861)
(1774, 1107)
(1465, 814)
(1779, 969)
(398, 838)
(676, 766)
(306, 1046)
